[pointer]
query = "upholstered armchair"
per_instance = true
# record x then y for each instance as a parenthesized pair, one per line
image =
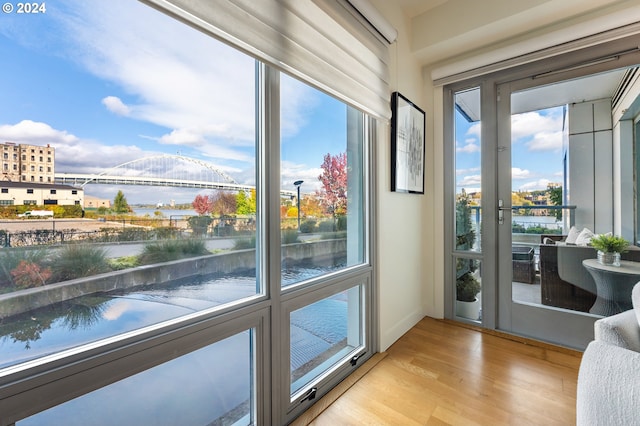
(609, 377)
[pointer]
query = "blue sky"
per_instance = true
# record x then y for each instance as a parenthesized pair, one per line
(536, 150)
(110, 82)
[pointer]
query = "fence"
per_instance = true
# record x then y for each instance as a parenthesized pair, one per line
(38, 232)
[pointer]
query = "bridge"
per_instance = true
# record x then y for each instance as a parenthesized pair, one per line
(164, 170)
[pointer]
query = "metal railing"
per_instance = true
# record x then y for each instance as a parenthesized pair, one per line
(571, 210)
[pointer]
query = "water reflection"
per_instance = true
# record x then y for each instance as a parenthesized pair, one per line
(28, 327)
(94, 317)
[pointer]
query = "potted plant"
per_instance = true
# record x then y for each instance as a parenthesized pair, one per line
(609, 248)
(467, 285)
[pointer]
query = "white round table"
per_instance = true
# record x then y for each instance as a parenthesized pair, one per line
(613, 284)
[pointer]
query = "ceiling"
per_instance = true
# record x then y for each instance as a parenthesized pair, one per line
(446, 30)
(417, 7)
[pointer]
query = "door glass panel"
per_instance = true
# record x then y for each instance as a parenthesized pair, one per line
(468, 204)
(571, 144)
(129, 193)
(212, 385)
(538, 138)
(322, 228)
(468, 289)
(323, 334)
(467, 167)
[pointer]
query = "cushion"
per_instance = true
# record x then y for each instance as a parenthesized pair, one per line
(635, 299)
(585, 237)
(549, 241)
(572, 236)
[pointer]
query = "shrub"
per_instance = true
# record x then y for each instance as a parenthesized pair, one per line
(245, 243)
(28, 274)
(341, 223)
(167, 251)
(333, 235)
(289, 236)
(132, 234)
(78, 260)
(308, 226)
(121, 263)
(199, 224)
(327, 226)
(166, 232)
(11, 258)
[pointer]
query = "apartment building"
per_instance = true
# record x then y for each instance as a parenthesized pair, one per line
(28, 163)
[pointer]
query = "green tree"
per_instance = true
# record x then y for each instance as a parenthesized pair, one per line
(555, 196)
(246, 204)
(120, 204)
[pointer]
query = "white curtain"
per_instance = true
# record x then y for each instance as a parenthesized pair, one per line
(319, 41)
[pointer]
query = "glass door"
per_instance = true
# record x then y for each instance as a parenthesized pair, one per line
(467, 249)
(560, 153)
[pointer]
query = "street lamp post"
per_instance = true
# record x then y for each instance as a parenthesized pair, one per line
(297, 184)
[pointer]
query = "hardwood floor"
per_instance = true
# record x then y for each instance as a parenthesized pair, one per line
(442, 373)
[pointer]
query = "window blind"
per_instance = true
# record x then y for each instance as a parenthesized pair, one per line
(319, 41)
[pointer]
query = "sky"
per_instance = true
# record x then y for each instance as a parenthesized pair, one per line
(110, 82)
(536, 151)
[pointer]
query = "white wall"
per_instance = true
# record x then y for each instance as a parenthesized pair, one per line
(410, 228)
(404, 221)
(591, 164)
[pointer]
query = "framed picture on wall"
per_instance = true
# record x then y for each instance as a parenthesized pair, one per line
(407, 145)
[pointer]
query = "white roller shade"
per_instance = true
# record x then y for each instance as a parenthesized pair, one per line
(317, 41)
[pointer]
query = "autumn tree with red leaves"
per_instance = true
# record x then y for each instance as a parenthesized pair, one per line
(202, 204)
(333, 194)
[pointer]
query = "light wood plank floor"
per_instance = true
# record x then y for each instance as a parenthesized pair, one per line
(441, 373)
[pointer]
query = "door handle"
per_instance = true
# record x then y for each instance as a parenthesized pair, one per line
(501, 210)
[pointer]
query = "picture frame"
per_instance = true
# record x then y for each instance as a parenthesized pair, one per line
(408, 125)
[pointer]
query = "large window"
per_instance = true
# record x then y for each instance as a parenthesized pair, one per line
(322, 183)
(209, 239)
(150, 397)
(192, 122)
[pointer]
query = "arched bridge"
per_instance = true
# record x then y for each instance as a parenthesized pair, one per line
(165, 170)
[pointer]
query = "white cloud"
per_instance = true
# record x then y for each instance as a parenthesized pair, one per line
(545, 131)
(291, 172)
(116, 106)
(72, 153)
(471, 146)
(36, 133)
(517, 173)
(471, 180)
(475, 130)
(539, 184)
(467, 171)
(546, 141)
(178, 78)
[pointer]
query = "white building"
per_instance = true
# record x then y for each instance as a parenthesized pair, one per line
(39, 194)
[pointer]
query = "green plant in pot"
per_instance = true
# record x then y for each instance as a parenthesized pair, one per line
(467, 285)
(609, 248)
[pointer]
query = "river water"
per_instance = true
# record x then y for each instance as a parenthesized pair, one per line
(139, 211)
